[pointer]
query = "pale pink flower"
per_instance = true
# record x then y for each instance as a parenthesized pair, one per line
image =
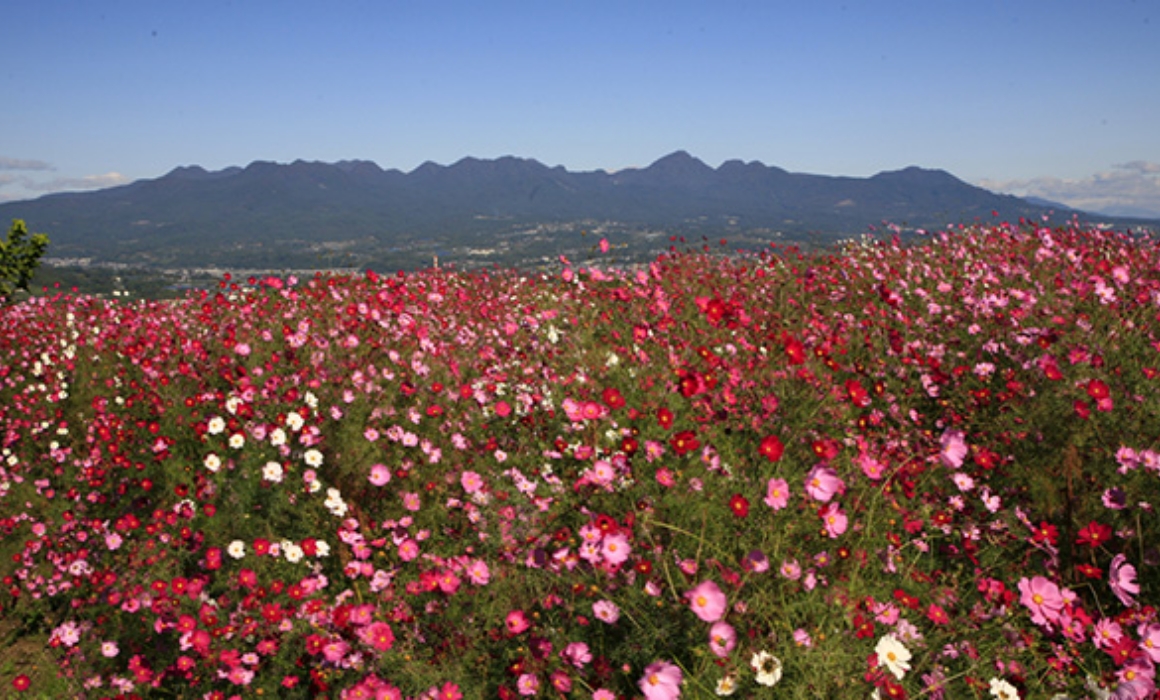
(528, 684)
(661, 681)
(606, 611)
(1150, 640)
(954, 448)
(1122, 579)
(577, 654)
(1042, 598)
(823, 483)
(471, 481)
(707, 601)
(834, 520)
(380, 474)
(615, 549)
(777, 494)
(722, 638)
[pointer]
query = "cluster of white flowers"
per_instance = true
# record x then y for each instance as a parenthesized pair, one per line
(334, 502)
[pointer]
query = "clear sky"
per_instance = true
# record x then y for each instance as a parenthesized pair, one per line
(1059, 98)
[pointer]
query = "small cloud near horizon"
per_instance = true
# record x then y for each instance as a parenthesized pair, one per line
(1131, 188)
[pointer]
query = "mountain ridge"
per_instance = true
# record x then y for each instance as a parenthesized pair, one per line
(274, 214)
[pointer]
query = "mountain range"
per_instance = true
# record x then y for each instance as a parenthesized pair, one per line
(353, 213)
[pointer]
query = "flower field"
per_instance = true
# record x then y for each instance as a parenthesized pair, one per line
(924, 471)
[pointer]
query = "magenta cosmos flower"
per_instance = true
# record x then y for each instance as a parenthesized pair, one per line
(707, 601)
(661, 681)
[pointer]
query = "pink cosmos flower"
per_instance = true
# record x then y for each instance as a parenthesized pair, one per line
(661, 681)
(606, 611)
(450, 691)
(954, 448)
(378, 635)
(471, 481)
(615, 549)
(1150, 640)
(478, 572)
(517, 621)
(722, 638)
(577, 654)
(334, 650)
(1106, 633)
(777, 494)
(1042, 598)
(707, 601)
(528, 684)
(408, 550)
(1122, 579)
(834, 520)
(561, 681)
(380, 475)
(823, 483)
(603, 694)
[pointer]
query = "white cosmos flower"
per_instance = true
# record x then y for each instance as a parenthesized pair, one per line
(213, 462)
(237, 549)
(294, 421)
(237, 440)
(215, 425)
(313, 458)
(727, 685)
(277, 437)
(1003, 690)
(272, 472)
(892, 655)
(323, 548)
(767, 667)
(291, 551)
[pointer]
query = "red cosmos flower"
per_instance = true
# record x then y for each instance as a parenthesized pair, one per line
(684, 442)
(21, 683)
(771, 448)
(857, 393)
(613, 398)
(739, 505)
(1097, 389)
(1090, 571)
(1094, 534)
(795, 352)
(937, 615)
(1045, 532)
(664, 417)
(1123, 650)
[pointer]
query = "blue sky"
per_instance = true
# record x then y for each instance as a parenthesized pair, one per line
(1056, 98)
